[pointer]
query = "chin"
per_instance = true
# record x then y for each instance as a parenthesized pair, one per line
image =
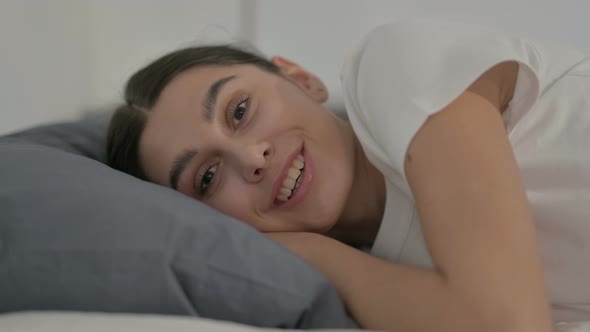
(327, 213)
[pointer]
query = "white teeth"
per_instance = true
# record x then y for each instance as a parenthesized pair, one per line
(288, 183)
(298, 164)
(286, 192)
(293, 179)
(293, 173)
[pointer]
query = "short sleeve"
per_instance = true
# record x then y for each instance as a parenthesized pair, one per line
(406, 71)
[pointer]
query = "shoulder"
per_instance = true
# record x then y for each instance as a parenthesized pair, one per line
(402, 73)
(424, 64)
(409, 36)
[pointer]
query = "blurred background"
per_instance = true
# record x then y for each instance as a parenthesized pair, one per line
(62, 58)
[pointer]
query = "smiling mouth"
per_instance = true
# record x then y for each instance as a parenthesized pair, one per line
(292, 179)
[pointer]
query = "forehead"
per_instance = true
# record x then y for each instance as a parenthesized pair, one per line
(175, 120)
(191, 85)
(188, 89)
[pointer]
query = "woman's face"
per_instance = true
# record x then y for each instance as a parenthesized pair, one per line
(252, 144)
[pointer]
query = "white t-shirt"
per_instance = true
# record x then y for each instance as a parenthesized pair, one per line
(403, 72)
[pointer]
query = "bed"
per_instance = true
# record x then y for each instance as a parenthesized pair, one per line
(85, 247)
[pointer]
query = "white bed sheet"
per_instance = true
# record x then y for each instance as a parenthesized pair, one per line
(56, 321)
(60, 321)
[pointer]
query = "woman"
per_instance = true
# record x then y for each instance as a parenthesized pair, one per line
(464, 167)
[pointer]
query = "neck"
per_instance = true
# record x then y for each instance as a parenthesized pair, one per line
(361, 217)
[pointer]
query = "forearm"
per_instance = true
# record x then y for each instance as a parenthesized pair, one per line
(385, 296)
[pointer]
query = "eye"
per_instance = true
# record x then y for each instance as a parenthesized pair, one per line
(206, 179)
(238, 112)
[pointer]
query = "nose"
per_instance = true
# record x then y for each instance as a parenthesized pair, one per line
(254, 160)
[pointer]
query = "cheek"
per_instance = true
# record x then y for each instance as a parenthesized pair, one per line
(236, 199)
(284, 106)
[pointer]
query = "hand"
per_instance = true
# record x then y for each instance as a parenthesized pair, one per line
(297, 242)
(306, 245)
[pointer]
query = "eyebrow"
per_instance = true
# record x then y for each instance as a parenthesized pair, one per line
(180, 163)
(211, 97)
(186, 156)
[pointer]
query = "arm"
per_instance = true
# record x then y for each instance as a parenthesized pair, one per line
(478, 227)
(475, 215)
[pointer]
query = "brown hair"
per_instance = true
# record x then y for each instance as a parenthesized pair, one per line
(144, 88)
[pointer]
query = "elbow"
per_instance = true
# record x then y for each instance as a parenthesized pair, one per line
(516, 326)
(508, 325)
(509, 318)
(506, 307)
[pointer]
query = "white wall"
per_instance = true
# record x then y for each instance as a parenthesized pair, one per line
(43, 62)
(60, 58)
(127, 34)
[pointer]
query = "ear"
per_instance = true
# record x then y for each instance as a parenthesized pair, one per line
(307, 81)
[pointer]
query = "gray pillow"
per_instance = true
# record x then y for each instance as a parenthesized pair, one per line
(78, 235)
